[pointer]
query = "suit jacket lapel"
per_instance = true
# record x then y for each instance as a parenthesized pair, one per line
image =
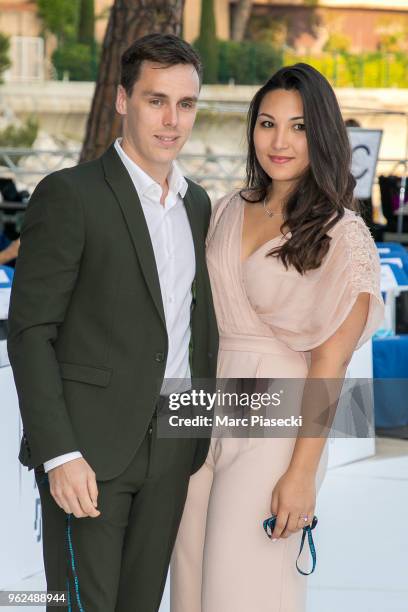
(121, 184)
(196, 231)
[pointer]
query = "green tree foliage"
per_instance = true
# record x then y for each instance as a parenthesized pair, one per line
(338, 42)
(247, 63)
(393, 34)
(4, 54)
(73, 23)
(20, 136)
(86, 24)
(75, 60)
(207, 44)
(60, 17)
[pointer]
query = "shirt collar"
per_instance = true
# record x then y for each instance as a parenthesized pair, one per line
(144, 183)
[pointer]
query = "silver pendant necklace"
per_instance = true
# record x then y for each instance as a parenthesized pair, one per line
(270, 213)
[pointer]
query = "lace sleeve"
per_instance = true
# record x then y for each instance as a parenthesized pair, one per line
(322, 300)
(364, 263)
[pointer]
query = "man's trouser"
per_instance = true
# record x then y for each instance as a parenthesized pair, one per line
(118, 561)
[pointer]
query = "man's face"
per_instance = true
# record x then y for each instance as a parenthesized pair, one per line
(160, 113)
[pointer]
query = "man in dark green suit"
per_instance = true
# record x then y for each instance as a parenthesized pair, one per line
(111, 297)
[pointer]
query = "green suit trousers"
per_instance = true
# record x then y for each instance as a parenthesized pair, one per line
(121, 557)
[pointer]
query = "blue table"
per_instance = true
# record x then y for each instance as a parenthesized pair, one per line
(9, 272)
(390, 367)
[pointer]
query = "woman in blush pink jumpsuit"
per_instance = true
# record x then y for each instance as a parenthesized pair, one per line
(276, 321)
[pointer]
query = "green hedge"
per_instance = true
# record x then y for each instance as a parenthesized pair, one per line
(247, 63)
(375, 70)
(252, 63)
(77, 60)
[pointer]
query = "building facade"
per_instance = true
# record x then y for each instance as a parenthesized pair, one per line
(364, 22)
(362, 25)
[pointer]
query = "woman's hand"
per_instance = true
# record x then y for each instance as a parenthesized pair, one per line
(293, 497)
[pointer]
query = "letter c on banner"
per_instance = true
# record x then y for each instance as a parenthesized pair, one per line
(366, 150)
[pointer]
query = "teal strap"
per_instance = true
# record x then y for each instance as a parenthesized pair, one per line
(45, 480)
(69, 597)
(312, 547)
(269, 525)
(72, 560)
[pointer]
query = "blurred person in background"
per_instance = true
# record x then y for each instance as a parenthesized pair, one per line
(352, 123)
(8, 250)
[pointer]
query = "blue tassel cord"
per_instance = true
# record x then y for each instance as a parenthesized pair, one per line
(269, 525)
(73, 568)
(71, 559)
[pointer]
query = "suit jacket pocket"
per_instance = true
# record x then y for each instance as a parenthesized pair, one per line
(24, 455)
(85, 374)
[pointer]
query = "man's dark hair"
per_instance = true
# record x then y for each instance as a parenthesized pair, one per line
(166, 49)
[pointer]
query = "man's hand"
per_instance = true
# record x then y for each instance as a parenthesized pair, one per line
(74, 489)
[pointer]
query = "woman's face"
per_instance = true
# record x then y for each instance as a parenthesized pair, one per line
(280, 137)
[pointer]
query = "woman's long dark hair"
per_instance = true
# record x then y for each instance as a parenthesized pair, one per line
(318, 201)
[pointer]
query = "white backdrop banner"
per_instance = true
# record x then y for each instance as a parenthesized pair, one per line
(365, 146)
(20, 510)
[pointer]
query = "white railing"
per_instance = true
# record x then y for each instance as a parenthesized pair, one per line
(218, 174)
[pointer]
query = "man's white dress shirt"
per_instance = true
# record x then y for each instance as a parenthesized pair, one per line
(173, 248)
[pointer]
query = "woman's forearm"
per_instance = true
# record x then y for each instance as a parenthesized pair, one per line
(322, 391)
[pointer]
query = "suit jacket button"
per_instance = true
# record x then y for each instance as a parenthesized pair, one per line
(159, 357)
